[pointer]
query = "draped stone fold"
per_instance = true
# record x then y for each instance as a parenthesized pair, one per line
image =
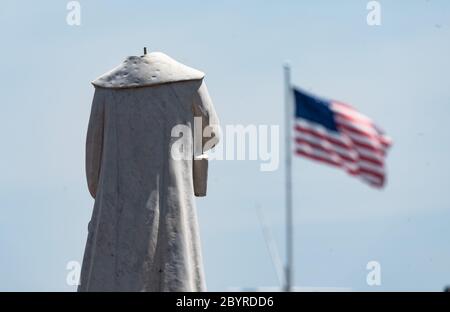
(143, 234)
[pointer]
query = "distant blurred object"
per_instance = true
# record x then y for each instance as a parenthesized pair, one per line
(333, 133)
(447, 289)
(337, 134)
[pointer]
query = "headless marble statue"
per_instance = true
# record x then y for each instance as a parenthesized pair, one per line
(143, 234)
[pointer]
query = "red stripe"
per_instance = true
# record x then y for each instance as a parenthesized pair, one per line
(318, 158)
(378, 184)
(371, 160)
(362, 171)
(352, 126)
(386, 143)
(325, 149)
(331, 140)
(357, 172)
(369, 147)
(322, 136)
(354, 130)
(345, 105)
(371, 173)
(354, 119)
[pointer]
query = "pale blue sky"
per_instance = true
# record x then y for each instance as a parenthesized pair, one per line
(397, 73)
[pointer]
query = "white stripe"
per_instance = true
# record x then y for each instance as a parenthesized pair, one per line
(345, 165)
(322, 130)
(334, 154)
(362, 122)
(326, 144)
(350, 112)
(371, 136)
(365, 165)
(384, 141)
(370, 178)
(365, 140)
(369, 154)
(315, 152)
(387, 140)
(345, 139)
(370, 130)
(331, 157)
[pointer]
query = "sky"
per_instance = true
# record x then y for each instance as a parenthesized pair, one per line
(396, 73)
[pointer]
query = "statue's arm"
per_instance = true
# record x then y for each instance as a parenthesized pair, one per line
(203, 109)
(94, 143)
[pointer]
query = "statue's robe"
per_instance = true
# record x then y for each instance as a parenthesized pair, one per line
(143, 234)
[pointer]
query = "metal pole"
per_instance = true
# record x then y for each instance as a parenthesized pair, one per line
(289, 218)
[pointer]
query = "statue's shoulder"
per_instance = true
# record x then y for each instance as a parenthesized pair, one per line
(147, 70)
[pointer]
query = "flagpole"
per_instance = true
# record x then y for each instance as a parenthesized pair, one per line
(288, 174)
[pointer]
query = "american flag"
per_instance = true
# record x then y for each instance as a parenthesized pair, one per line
(337, 134)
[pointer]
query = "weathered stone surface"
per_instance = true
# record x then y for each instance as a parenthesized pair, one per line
(143, 235)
